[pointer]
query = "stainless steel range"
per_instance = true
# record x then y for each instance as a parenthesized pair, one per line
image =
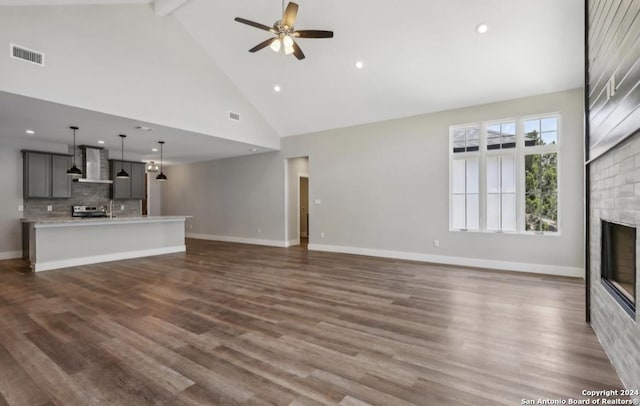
(88, 211)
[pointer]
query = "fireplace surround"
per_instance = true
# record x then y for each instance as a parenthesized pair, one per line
(614, 198)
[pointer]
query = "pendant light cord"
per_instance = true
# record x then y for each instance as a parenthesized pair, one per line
(74, 147)
(122, 153)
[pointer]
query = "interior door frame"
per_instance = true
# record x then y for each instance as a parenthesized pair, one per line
(300, 176)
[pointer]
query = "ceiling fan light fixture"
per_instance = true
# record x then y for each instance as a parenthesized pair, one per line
(275, 45)
(285, 33)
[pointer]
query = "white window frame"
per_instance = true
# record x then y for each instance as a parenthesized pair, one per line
(519, 153)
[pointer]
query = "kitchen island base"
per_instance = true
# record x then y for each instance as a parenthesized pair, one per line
(54, 244)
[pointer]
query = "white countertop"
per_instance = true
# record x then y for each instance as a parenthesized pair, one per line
(77, 221)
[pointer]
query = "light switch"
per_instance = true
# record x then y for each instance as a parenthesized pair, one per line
(20, 207)
(317, 201)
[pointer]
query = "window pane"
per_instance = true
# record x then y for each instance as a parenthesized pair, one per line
(531, 126)
(458, 211)
(509, 212)
(508, 128)
(493, 141)
(541, 192)
(508, 174)
(549, 124)
(473, 212)
(549, 192)
(472, 176)
(458, 176)
(473, 138)
(548, 138)
(493, 212)
(493, 175)
(459, 140)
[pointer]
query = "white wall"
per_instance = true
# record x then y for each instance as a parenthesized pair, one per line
(126, 61)
(11, 190)
(384, 191)
(295, 168)
(235, 199)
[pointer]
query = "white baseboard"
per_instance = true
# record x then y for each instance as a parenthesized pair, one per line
(241, 240)
(575, 272)
(293, 242)
(66, 263)
(10, 255)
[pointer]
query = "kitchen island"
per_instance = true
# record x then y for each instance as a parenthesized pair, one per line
(53, 243)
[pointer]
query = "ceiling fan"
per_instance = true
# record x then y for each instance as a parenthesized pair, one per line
(285, 32)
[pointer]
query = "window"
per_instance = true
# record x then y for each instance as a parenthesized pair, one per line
(504, 175)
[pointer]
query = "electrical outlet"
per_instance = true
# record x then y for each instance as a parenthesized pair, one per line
(259, 230)
(317, 201)
(436, 243)
(49, 208)
(122, 207)
(20, 207)
(321, 235)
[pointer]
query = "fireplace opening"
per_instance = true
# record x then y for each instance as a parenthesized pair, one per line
(618, 268)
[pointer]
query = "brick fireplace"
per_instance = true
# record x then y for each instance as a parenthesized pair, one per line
(615, 201)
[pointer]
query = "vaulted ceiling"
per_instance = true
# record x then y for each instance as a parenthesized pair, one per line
(419, 56)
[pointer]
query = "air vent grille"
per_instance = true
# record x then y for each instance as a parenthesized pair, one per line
(28, 55)
(234, 116)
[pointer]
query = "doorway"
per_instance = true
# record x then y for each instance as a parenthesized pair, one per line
(298, 216)
(303, 209)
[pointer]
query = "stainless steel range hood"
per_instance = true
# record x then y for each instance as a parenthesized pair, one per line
(92, 164)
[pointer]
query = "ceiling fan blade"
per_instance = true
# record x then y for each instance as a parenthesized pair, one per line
(297, 51)
(289, 17)
(313, 34)
(253, 24)
(263, 44)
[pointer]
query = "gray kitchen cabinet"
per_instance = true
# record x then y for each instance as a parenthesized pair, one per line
(137, 180)
(45, 175)
(131, 188)
(60, 181)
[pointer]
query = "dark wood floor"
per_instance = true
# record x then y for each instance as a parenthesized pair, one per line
(232, 324)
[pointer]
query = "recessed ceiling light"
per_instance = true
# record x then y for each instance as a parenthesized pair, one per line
(253, 150)
(359, 65)
(276, 89)
(482, 28)
(143, 128)
(100, 142)
(30, 132)
(154, 149)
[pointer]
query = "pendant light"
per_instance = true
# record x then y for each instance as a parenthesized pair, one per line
(161, 177)
(122, 174)
(74, 170)
(152, 166)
